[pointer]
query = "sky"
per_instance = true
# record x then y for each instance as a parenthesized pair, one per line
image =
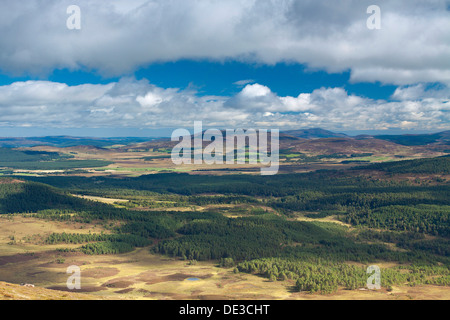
(144, 68)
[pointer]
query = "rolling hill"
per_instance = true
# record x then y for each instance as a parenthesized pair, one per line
(442, 138)
(316, 133)
(66, 141)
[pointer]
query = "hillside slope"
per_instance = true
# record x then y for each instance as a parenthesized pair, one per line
(17, 196)
(10, 291)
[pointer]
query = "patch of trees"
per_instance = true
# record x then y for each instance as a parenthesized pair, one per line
(107, 247)
(32, 197)
(197, 185)
(341, 199)
(99, 244)
(327, 277)
(440, 165)
(134, 240)
(440, 247)
(389, 236)
(240, 239)
(408, 240)
(431, 219)
(154, 228)
(251, 238)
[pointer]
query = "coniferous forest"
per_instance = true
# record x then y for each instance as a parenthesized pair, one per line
(320, 230)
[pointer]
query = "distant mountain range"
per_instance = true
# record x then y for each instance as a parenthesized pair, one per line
(295, 136)
(315, 133)
(442, 138)
(68, 141)
(417, 139)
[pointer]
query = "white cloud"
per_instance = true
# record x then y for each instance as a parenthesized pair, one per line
(255, 91)
(420, 91)
(242, 83)
(117, 37)
(130, 103)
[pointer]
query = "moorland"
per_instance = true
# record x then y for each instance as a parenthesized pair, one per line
(140, 227)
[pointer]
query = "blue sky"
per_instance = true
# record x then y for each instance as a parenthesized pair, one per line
(220, 78)
(145, 67)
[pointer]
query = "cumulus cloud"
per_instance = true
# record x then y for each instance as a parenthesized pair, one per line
(117, 37)
(421, 91)
(130, 103)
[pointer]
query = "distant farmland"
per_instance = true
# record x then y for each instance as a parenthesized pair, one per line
(41, 160)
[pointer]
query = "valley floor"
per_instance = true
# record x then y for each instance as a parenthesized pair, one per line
(143, 275)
